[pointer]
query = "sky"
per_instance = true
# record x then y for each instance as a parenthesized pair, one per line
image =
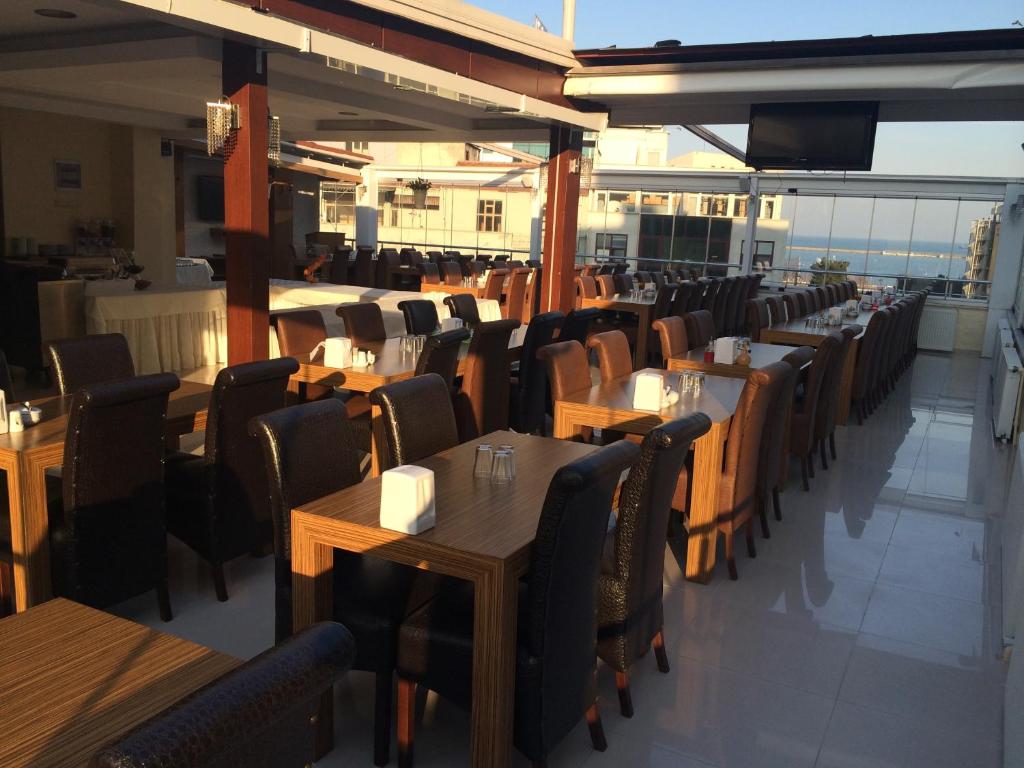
(961, 149)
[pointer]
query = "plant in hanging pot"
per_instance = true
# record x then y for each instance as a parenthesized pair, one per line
(419, 187)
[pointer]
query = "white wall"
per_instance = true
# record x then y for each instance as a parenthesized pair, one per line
(153, 206)
(1013, 616)
(1007, 273)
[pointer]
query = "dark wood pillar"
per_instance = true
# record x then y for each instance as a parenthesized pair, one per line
(560, 215)
(246, 212)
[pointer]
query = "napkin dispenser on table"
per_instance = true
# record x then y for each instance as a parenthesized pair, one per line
(725, 350)
(407, 499)
(451, 324)
(337, 352)
(835, 315)
(648, 391)
(852, 308)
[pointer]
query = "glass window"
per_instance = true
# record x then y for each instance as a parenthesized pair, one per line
(337, 204)
(739, 209)
(488, 216)
(609, 244)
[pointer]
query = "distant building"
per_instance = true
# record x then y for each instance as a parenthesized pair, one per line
(982, 247)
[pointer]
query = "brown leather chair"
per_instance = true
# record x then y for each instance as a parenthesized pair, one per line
(463, 306)
(420, 316)
(613, 355)
(440, 355)
(793, 307)
(495, 284)
(515, 296)
(629, 613)
(777, 310)
(586, 288)
(418, 419)
(89, 360)
(828, 407)
(568, 371)
(364, 322)
(671, 332)
(482, 404)
(429, 274)
(758, 317)
(528, 396)
(451, 272)
(217, 503)
(108, 539)
(298, 333)
(700, 328)
(555, 657)
(370, 596)
(605, 286)
(261, 713)
(802, 420)
(862, 392)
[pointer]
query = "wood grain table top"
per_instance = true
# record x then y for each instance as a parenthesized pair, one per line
(475, 517)
(802, 325)
(74, 679)
(760, 356)
(478, 291)
(620, 302)
(184, 404)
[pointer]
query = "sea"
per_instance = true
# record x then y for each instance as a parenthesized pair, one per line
(888, 257)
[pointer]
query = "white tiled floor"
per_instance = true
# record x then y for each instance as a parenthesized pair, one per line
(866, 633)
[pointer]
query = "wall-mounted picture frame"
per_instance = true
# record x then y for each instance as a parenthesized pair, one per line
(67, 175)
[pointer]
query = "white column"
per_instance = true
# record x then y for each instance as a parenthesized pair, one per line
(366, 210)
(1008, 258)
(750, 231)
(536, 219)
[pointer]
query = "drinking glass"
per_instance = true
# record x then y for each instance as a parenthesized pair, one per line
(482, 463)
(698, 384)
(501, 467)
(512, 457)
(421, 342)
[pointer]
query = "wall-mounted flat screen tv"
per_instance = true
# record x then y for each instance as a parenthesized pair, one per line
(210, 198)
(824, 136)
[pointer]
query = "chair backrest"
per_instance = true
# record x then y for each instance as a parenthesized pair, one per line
(586, 287)
(418, 419)
(363, 266)
(700, 328)
(825, 418)
(501, 258)
(606, 285)
(435, 257)
(823, 297)
(415, 258)
(477, 268)
(364, 322)
(495, 284)
(261, 714)
(113, 491)
(778, 312)
(420, 316)
(515, 296)
(801, 438)
(299, 470)
(463, 306)
(758, 317)
(517, 263)
(528, 409)
(663, 301)
(774, 450)
(89, 360)
(482, 404)
(534, 263)
(659, 279)
(710, 295)
(559, 619)
(613, 355)
(6, 382)
(804, 303)
(726, 294)
(451, 272)
(567, 367)
(429, 273)
(793, 308)
(623, 282)
(440, 355)
(577, 324)
(298, 333)
(672, 336)
(338, 270)
(866, 352)
(642, 278)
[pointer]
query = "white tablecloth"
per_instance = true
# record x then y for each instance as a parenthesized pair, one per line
(194, 272)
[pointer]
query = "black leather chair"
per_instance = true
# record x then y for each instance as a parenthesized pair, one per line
(555, 656)
(364, 322)
(6, 382)
(90, 360)
(528, 395)
(463, 306)
(420, 316)
(362, 270)
(370, 596)
(108, 540)
(629, 613)
(217, 503)
(440, 355)
(261, 714)
(338, 271)
(577, 324)
(418, 419)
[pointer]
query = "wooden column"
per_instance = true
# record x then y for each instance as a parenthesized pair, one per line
(560, 214)
(246, 212)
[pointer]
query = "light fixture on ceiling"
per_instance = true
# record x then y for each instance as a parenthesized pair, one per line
(55, 13)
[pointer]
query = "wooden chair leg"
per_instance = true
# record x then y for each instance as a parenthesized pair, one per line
(821, 450)
(751, 549)
(810, 462)
(163, 600)
(596, 729)
(406, 721)
(803, 473)
(660, 654)
(730, 556)
(832, 445)
(219, 585)
(776, 504)
(383, 697)
(625, 699)
(762, 513)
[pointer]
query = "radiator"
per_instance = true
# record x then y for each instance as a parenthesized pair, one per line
(938, 329)
(1006, 381)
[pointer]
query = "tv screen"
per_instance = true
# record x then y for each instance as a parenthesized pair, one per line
(210, 198)
(836, 136)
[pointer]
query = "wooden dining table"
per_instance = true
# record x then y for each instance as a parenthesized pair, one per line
(25, 457)
(483, 534)
(442, 287)
(643, 308)
(609, 405)
(802, 332)
(390, 366)
(760, 356)
(75, 679)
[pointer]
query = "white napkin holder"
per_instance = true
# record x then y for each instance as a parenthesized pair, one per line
(852, 308)
(337, 352)
(725, 350)
(649, 392)
(451, 324)
(835, 315)
(407, 499)
(4, 429)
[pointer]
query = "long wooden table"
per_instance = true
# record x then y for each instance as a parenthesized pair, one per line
(610, 406)
(760, 356)
(801, 332)
(642, 308)
(475, 291)
(483, 534)
(25, 457)
(390, 366)
(74, 679)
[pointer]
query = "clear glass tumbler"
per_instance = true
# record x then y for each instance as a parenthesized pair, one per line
(512, 457)
(483, 461)
(501, 467)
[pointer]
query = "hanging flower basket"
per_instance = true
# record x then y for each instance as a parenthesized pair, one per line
(419, 189)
